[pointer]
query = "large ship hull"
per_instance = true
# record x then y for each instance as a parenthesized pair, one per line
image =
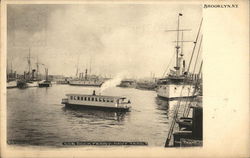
(24, 84)
(173, 91)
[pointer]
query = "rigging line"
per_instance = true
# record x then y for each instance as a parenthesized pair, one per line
(198, 53)
(195, 45)
(175, 115)
(196, 86)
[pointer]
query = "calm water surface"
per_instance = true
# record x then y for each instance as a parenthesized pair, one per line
(37, 117)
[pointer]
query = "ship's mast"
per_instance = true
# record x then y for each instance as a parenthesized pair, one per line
(177, 67)
(37, 69)
(11, 70)
(90, 64)
(77, 67)
(29, 62)
(177, 47)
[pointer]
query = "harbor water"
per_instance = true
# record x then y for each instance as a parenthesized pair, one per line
(35, 116)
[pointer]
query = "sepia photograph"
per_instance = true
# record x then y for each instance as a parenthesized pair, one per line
(75, 75)
(108, 75)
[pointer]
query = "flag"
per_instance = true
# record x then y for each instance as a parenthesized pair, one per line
(180, 14)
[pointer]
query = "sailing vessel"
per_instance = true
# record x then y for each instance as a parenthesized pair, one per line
(179, 83)
(98, 102)
(11, 78)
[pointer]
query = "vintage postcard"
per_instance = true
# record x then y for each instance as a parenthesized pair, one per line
(124, 79)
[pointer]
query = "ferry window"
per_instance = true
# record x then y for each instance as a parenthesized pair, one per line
(96, 99)
(93, 99)
(100, 99)
(74, 97)
(85, 98)
(107, 100)
(111, 100)
(71, 97)
(81, 98)
(103, 99)
(78, 98)
(88, 98)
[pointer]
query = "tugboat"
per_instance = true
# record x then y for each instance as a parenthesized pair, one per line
(98, 102)
(45, 83)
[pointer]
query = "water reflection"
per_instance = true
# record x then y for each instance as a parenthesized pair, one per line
(95, 114)
(162, 104)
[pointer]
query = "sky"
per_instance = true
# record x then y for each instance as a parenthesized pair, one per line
(112, 38)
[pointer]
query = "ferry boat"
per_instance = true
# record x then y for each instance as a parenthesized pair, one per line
(179, 83)
(99, 102)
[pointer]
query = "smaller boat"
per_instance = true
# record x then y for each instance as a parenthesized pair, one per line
(148, 85)
(127, 83)
(11, 84)
(98, 102)
(45, 84)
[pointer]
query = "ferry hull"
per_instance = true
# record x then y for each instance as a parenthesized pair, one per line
(78, 106)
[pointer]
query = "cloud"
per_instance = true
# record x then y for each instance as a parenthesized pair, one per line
(117, 37)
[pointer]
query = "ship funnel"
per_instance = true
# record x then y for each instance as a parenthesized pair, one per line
(86, 73)
(184, 66)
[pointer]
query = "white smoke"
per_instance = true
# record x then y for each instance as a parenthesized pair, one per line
(113, 82)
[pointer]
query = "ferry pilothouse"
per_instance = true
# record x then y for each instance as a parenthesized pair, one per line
(179, 83)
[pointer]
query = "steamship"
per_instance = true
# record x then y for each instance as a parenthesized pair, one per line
(86, 80)
(178, 83)
(30, 78)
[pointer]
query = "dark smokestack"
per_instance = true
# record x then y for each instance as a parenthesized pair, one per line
(86, 73)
